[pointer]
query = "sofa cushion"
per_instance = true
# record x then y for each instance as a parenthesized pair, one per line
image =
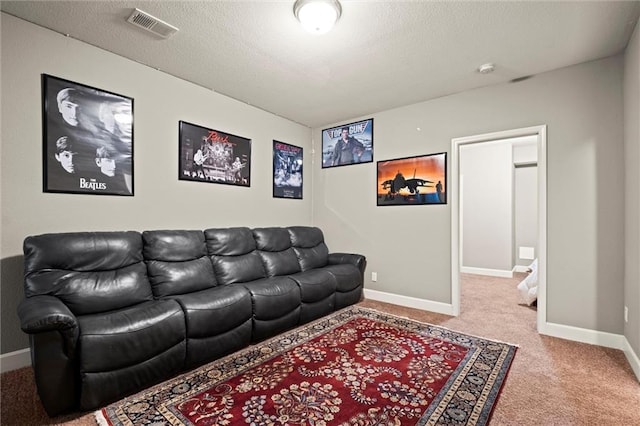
(315, 285)
(305, 236)
(81, 251)
(273, 297)
(229, 241)
(317, 293)
(308, 244)
(274, 247)
(129, 336)
(276, 306)
(238, 269)
(90, 272)
(348, 277)
(216, 310)
(168, 278)
(173, 246)
(272, 239)
(219, 321)
(349, 284)
(101, 388)
(233, 255)
(177, 262)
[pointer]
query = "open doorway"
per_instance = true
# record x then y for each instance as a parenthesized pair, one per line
(456, 187)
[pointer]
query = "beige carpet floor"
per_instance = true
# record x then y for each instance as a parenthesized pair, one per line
(552, 381)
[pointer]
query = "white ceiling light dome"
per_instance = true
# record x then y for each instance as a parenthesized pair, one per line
(317, 16)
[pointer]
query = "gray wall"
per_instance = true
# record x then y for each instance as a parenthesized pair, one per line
(486, 205)
(410, 247)
(161, 201)
(632, 191)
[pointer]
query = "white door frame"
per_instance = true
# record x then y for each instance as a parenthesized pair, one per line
(541, 133)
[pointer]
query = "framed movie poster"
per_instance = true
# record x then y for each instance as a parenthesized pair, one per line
(87, 139)
(348, 144)
(213, 156)
(413, 180)
(287, 170)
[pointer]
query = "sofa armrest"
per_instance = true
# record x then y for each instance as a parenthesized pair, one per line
(358, 260)
(41, 314)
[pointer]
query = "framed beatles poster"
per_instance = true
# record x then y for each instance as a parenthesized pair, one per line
(413, 180)
(348, 144)
(87, 139)
(287, 170)
(207, 155)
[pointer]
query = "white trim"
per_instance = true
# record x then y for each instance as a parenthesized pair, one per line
(485, 271)
(600, 338)
(542, 227)
(520, 268)
(15, 360)
(456, 220)
(456, 216)
(410, 302)
(632, 357)
(584, 335)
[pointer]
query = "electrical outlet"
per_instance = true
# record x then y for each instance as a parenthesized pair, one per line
(626, 314)
(374, 276)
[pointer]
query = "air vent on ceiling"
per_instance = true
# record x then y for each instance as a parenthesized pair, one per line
(151, 23)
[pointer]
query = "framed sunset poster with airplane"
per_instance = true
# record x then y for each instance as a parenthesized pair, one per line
(207, 155)
(410, 181)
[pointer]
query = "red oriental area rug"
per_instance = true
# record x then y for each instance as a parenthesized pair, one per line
(355, 367)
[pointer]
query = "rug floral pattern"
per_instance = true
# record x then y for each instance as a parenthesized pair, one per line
(354, 367)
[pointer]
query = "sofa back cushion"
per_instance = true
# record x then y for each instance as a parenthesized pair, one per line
(177, 262)
(274, 248)
(233, 255)
(90, 272)
(308, 244)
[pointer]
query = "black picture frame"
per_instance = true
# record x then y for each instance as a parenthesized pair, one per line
(287, 170)
(401, 181)
(359, 134)
(87, 136)
(212, 156)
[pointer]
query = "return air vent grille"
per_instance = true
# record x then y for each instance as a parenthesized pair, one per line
(151, 23)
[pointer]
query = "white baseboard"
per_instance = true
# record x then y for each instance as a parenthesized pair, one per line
(489, 272)
(593, 337)
(410, 302)
(520, 268)
(14, 360)
(633, 359)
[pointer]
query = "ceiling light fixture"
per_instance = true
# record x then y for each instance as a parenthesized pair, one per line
(317, 16)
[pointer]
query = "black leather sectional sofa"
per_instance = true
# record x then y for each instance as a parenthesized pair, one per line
(111, 313)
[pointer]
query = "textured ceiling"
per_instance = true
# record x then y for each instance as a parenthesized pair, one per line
(380, 55)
